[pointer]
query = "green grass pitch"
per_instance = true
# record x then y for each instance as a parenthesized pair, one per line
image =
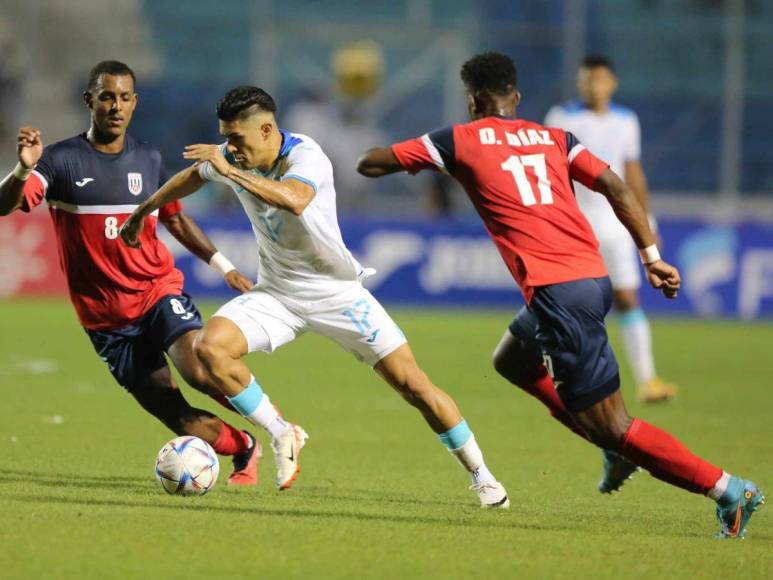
(378, 497)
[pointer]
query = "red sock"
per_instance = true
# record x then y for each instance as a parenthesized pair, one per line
(665, 457)
(230, 441)
(543, 389)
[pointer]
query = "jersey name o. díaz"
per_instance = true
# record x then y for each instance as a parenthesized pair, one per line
(518, 175)
(90, 194)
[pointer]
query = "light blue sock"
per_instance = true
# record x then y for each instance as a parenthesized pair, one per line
(469, 456)
(632, 317)
(456, 436)
(248, 400)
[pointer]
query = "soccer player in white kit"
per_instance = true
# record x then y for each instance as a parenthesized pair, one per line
(308, 281)
(612, 132)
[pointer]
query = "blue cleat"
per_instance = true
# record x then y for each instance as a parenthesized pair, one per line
(736, 506)
(616, 470)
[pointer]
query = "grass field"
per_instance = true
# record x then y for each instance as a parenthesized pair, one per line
(378, 497)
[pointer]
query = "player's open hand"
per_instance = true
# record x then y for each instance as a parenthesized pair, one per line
(664, 277)
(29, 146)
(130, 231)
(237, 281)
(212, 153)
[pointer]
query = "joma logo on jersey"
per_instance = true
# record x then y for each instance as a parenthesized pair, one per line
(135, 183)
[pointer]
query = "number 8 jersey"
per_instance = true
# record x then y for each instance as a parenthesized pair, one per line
(519, 175)
(90, 194)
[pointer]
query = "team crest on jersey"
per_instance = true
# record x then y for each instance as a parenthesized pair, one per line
(135, 183)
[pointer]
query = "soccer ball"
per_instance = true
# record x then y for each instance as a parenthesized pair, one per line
(187, 466)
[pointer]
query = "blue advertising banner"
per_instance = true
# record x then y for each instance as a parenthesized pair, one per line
(727, 269)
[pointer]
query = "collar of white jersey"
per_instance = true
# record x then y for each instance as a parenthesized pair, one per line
(288, 142)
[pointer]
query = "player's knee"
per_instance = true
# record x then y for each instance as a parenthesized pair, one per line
(515, 362)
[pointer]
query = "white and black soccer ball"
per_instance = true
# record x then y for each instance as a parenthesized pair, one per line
(187, 466)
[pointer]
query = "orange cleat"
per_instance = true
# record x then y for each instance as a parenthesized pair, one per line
(246, 464)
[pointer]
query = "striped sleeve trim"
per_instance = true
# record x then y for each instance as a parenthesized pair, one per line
(94, 209)
(576, 150)
(433, 153)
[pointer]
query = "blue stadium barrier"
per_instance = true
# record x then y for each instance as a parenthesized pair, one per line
(727, 269)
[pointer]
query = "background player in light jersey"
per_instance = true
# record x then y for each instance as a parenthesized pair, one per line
(308, 279)
(131, 304)
(519, 176)
(612, 132)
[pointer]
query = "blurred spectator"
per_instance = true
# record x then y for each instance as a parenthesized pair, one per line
(345, 123)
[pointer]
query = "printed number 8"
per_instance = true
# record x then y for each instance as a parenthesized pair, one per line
(111, 227)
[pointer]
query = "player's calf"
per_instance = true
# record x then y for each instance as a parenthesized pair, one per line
(400, 370)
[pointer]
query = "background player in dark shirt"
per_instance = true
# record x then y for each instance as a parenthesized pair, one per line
(130, 303)
(533, 218)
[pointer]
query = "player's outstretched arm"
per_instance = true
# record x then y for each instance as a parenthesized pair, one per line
(292, 195)
(636, 179)
(29, 149)
(632, 215)
(179, 186)
(186, 231)
(378, 161)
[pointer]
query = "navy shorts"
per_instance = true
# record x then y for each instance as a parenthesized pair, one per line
(136, 350)
(566, 322)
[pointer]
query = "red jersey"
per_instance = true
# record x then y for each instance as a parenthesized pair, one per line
(519, 175)
(90, 194)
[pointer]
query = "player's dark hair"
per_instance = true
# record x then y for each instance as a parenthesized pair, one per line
(598, 61)
(109, 67)
(244, 101)
(491, 72)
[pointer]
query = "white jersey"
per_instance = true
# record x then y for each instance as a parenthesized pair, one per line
(614, 137)
(301, 257)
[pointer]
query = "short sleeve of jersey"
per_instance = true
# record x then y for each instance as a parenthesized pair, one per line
(584, 167)
(209, 173)
(632, 151)
(41, 179)
(170, 209)
(435, 150)
(307, 164)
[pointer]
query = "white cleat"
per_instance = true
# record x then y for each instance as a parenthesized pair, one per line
(287, 449)
(492, 495)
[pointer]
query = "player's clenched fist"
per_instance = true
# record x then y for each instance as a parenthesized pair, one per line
(29, 146)
(130, 231)
(665, 277)
(212, 153)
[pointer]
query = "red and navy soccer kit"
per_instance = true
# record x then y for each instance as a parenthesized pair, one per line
(519, 175)
(130, 301)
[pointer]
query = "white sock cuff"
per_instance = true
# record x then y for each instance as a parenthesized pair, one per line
(720, 487)
(469, 455)
(266, 412)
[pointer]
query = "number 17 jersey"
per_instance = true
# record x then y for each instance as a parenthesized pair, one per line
(519, 175)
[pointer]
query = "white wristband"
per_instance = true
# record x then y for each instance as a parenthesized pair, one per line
(649, 254)
(220, 263)
(21, 173)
